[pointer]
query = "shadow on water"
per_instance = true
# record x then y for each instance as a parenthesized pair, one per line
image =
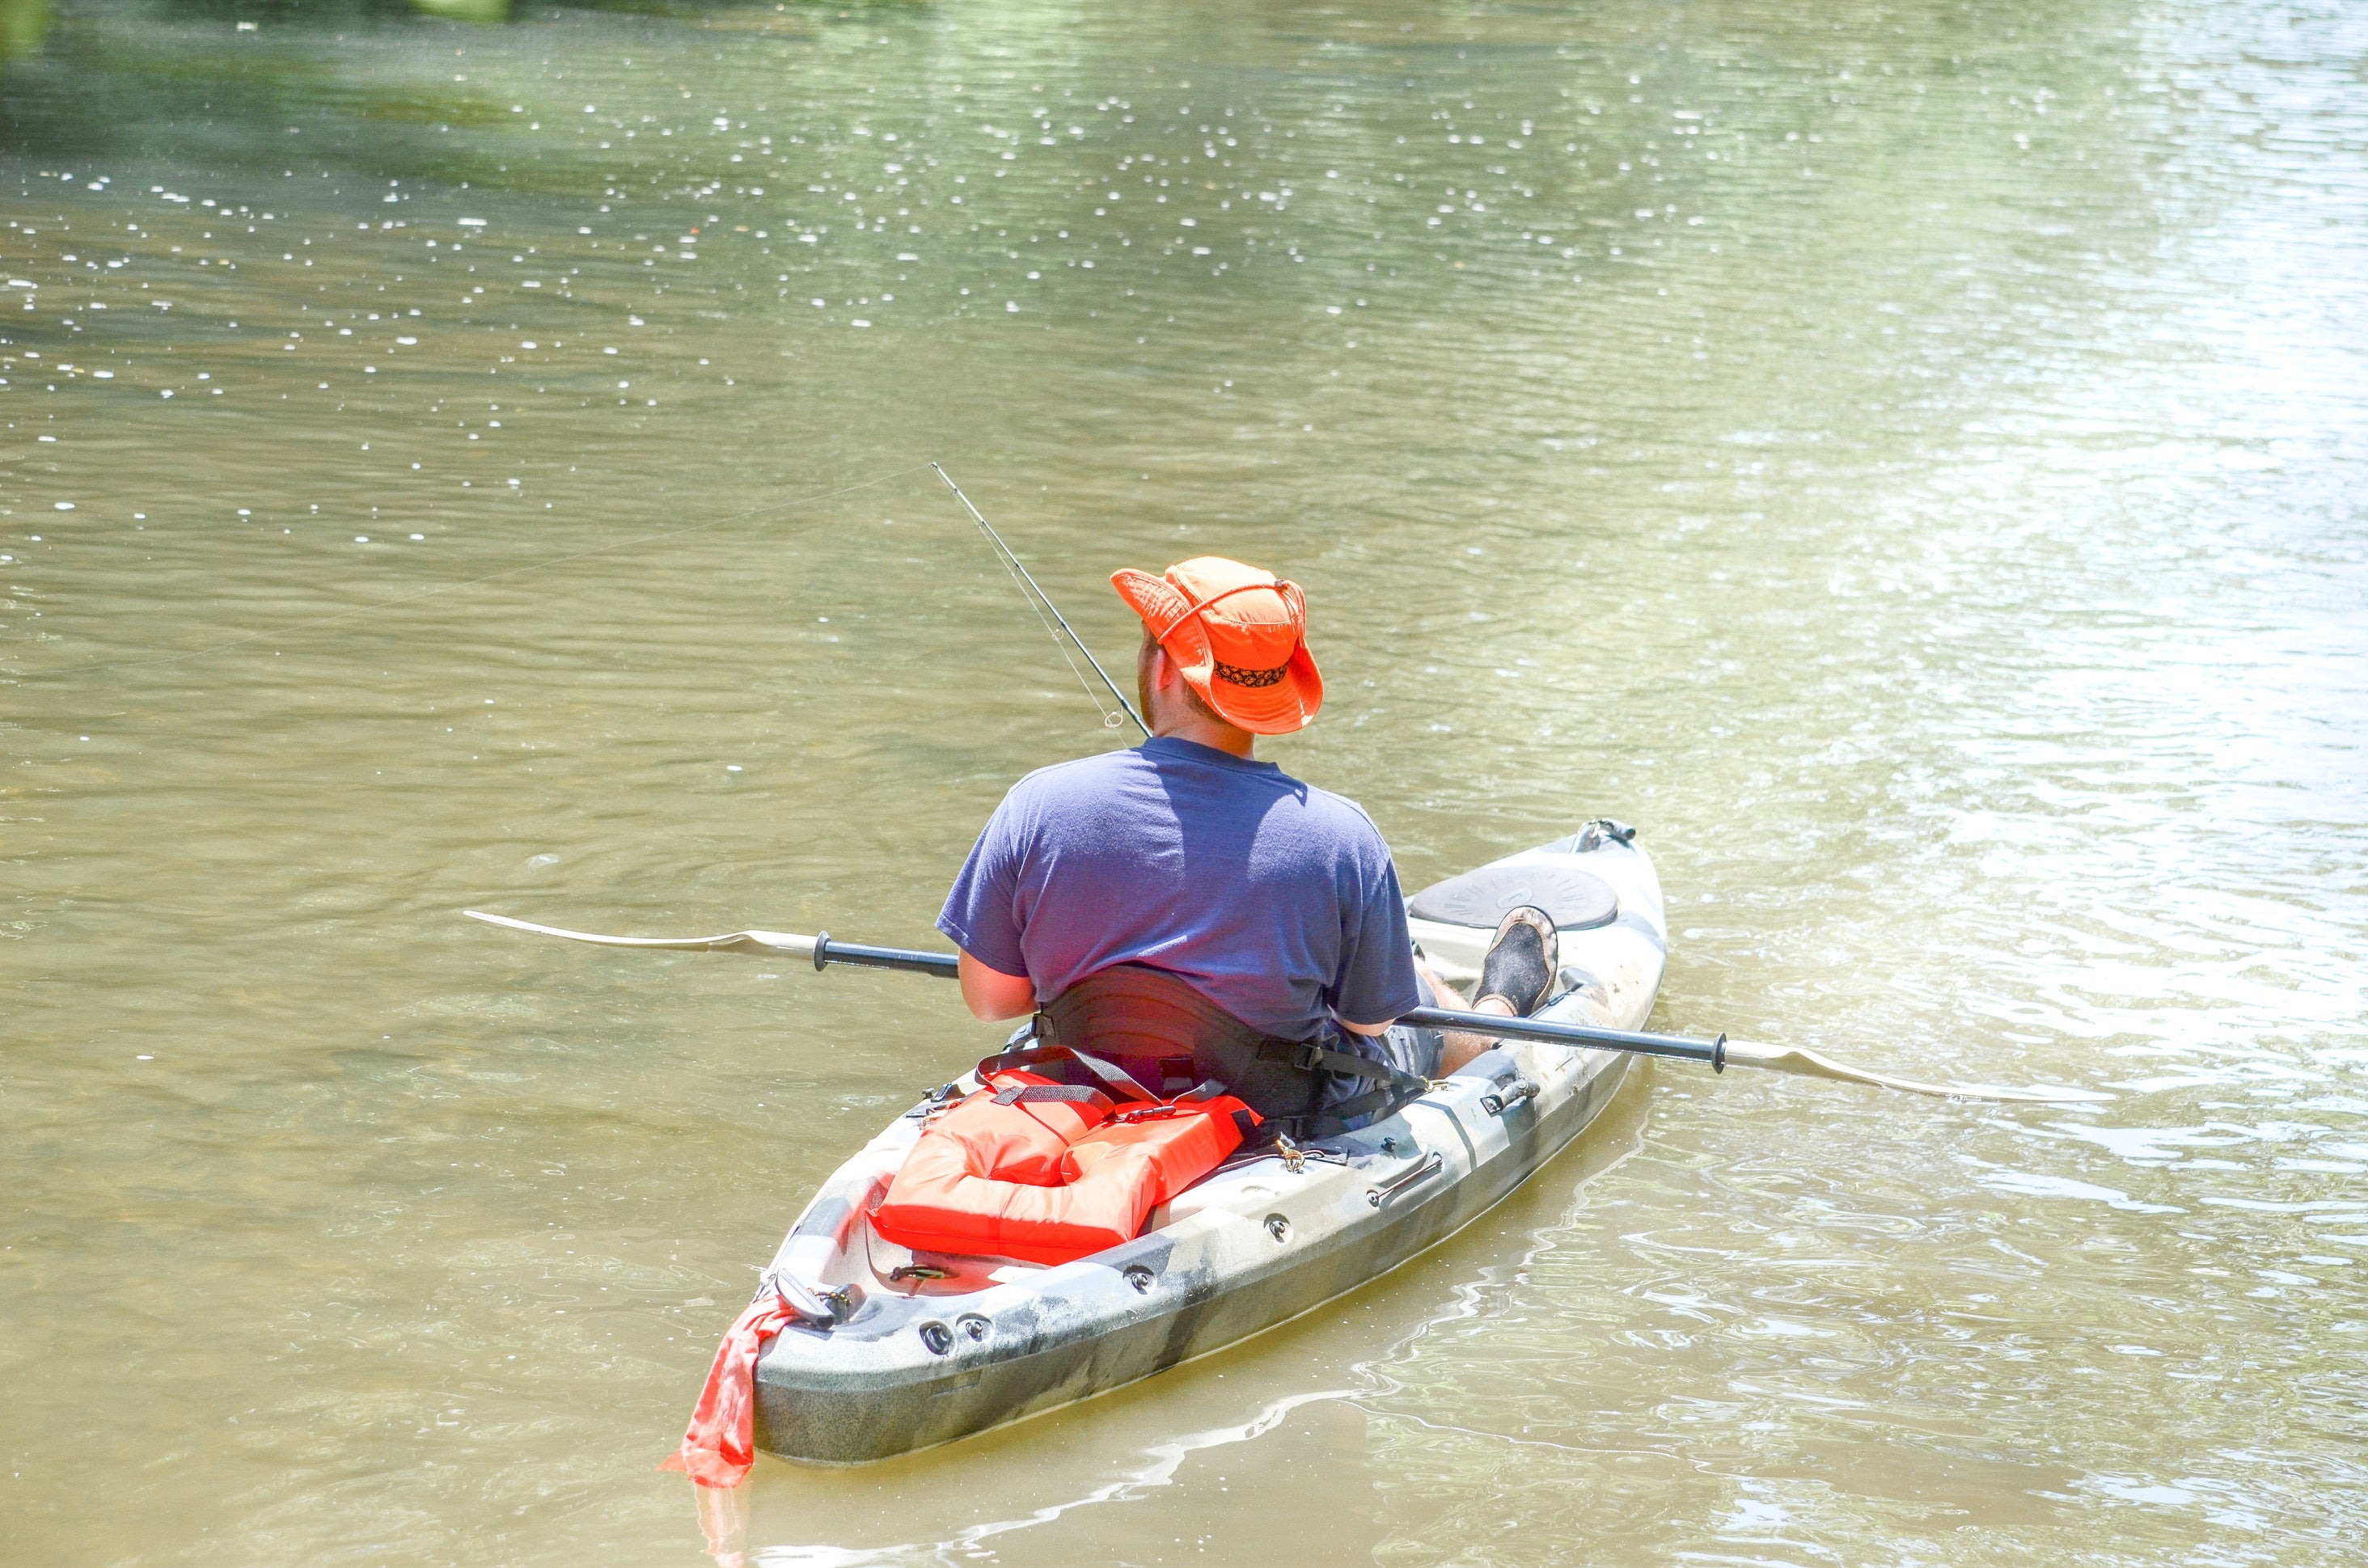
(23, 25)
(486, 12)
(225, 82)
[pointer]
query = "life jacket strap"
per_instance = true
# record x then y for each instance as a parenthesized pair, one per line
(1075, 1094)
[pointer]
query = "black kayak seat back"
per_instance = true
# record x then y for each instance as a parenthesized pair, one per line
(1578, 900)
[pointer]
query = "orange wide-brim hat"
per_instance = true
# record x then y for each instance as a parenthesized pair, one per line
(1238, 636)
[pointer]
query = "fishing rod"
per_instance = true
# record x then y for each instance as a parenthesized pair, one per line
(1047, 611)
(1720, 1054)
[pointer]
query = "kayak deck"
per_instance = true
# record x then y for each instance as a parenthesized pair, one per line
(928, 1348)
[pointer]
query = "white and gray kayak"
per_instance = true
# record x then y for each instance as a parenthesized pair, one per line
(922, 1348)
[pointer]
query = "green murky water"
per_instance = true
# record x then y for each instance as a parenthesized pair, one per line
(1906, 458)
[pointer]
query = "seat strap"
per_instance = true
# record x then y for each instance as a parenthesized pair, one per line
(1112, 1077)
(1312, 1057)
(1149, 1017)
(1391, 1088)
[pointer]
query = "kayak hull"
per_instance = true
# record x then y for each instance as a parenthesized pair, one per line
(928, 1348)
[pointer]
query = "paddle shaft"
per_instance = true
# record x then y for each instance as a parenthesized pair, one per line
(1547, 1033)
(914, 961)
(1720, 1054)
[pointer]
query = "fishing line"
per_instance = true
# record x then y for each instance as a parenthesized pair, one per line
(489, 577)
(1020, 581)
(1049, 614)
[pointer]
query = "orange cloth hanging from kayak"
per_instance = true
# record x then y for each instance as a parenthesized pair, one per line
(1046, 1173)
(720, 1445)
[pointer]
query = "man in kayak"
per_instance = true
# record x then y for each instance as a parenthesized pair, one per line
(1190, 912)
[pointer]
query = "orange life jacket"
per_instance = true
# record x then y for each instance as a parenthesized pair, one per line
(1047, 1172)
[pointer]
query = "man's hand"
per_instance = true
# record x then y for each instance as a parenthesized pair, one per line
(993, 995)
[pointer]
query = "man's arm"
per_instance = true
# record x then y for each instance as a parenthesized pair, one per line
(993, 995)
(978, 916)
(1377, 966)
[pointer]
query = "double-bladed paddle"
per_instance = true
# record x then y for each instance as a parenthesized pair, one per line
(1721, 1053)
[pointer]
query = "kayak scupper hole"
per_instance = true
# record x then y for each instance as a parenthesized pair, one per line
(1140, 1278)
(937, 1338)
(974, 1327)
(1278, 1227)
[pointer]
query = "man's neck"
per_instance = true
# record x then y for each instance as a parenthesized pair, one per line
(1189, 725)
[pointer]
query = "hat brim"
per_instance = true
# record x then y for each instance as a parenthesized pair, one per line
(1278, 710)
(1158, 601)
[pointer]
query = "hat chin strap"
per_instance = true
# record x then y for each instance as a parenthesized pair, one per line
(1277, 587)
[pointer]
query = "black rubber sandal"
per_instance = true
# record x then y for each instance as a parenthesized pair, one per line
(1519, 968)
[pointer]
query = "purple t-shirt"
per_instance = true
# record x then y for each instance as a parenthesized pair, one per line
(1277, 900)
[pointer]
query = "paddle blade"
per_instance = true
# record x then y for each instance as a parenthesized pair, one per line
(783, 944)
(1810, 1065)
